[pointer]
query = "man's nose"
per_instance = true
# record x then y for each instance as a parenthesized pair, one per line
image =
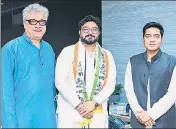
(38, 25)
(90, 31)
(152, 39)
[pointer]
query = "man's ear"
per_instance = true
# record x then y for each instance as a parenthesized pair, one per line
(79, 32)
(161, 40)
(99, 33)
(24, 24)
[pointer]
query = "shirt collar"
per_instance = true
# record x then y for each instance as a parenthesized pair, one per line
(26, 37)
(154, 58)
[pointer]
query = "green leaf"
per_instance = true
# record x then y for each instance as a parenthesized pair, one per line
(117, 89)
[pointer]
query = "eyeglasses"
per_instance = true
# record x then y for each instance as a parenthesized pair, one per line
(34, 22)
(94, 30)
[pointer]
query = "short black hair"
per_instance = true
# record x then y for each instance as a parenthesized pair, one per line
(155, 25)
(88, 19)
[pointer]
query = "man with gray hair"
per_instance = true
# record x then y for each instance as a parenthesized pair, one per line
(28, 64)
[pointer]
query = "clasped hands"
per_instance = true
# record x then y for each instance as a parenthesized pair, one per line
(86, 109)
(144, 118)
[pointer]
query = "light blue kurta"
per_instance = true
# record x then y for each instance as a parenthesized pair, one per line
(28, 89)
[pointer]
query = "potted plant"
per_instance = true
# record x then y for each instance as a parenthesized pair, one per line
(117, 89)
(115, 95)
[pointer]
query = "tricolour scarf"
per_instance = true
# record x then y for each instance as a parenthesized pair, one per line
(100, 74)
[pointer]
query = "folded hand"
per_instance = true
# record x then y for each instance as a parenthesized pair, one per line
(86, 109)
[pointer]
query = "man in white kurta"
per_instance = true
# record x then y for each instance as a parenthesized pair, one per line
(73, 108)
(150, 83)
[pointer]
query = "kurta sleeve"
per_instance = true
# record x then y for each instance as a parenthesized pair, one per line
(111, 81)
(166, 102)
(9, 119)
(54, 87)
(129, 89)
(61, 78)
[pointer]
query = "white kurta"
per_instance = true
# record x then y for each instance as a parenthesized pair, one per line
(67, 97)
(160, 107)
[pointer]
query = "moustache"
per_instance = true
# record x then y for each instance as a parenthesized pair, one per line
(89, 35)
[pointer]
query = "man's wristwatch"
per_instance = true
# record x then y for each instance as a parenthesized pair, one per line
(96, 104)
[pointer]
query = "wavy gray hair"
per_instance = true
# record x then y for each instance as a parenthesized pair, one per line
(35, 8)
